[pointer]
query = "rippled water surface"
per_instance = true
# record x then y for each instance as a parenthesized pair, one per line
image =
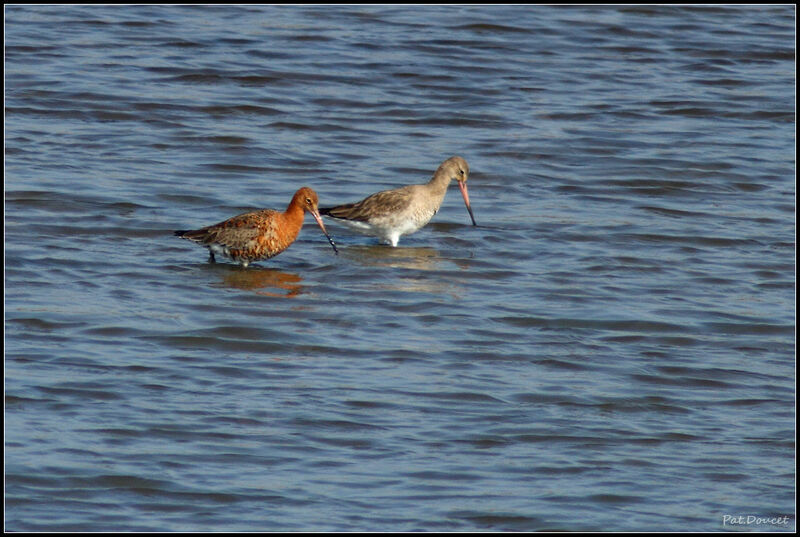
(611, 348)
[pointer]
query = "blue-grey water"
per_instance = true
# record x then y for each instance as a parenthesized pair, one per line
(612, 348)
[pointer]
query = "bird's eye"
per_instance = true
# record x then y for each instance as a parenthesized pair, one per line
(308, 201)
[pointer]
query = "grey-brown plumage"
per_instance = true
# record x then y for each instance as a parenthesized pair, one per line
(389, 214)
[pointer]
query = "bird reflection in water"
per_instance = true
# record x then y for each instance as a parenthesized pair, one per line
(426, 261)
(423, 258)
(268, 282)
(417, 258)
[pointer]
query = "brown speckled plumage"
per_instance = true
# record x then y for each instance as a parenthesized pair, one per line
(258, 235)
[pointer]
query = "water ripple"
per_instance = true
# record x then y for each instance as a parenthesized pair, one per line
(611, 348)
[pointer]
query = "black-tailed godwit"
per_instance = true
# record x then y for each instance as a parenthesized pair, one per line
(389, 214)
(258, 235)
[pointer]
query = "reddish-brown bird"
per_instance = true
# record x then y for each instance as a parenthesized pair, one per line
(389, 214)
(258, 235)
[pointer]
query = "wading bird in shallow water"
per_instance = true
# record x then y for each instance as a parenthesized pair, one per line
(389, 214)
(260, 234)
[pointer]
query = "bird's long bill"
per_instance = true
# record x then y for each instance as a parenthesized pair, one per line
(318, 218)
(462, 185)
